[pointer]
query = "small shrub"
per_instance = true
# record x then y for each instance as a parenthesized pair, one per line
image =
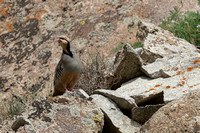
(184, 25)
(15, 105)
(93, 73)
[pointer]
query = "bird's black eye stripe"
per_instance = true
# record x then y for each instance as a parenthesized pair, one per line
(63, 38)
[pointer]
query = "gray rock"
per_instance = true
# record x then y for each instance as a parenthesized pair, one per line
(21, 121)
(152, 99)
(126, 67)
(66, 114)
(158, 43)
(116, 121)
(170, 65)
(172, 87)
(124, 102)
(181, 115)
(142, 114)
(78, 93)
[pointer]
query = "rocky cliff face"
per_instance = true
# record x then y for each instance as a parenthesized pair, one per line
(161, 78)
(28, 31)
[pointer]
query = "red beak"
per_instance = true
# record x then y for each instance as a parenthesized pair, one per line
(58, 40)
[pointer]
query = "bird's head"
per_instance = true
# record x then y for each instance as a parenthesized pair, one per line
(64, 42)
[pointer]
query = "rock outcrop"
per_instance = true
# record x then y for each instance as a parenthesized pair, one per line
(171, 67)
(182, 115)
(28, 52)
(155, 10)
(66, 114)
(126, 66)
(155, 88)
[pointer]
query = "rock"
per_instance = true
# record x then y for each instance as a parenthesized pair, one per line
(115, 120)
(142, 114)
(156, 11)
(78, 93)
(124, 102)
(127, 66)
(173, 87)
(173, 61)
(158, 43)
(152, 99)
(19, 123)
(28, 49)
(181, 115)
(170, 65)
(59, 114)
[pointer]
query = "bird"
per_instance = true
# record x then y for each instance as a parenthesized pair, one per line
(68, 69)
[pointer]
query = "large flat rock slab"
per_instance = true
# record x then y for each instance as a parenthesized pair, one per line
(124, 102)
(172, 87)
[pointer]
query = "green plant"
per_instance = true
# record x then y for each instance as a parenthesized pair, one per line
(10, 108)
(15, 105)
(119, 47)
(184, 25)
(135, 45)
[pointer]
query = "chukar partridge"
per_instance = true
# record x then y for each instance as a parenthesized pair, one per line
(68, 69)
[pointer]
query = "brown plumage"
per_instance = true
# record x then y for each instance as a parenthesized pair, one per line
(68, 69)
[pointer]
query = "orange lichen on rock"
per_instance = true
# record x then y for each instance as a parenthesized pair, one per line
(146, 91)
(36, 14)
(180, 72)
(180, 85)
(190, 86)
(167, 87)
(184, 78)
(100, 9)
(196, 61)
(183, 82)
(157, 86)
(175, 68)
(189, 69)
(196, 84)
(151, 89)
(174, 87)
(184, 91)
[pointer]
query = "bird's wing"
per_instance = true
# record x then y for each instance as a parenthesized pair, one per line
(58, 72)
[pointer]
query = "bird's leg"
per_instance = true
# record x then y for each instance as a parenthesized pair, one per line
(72, 90)
(67, 89)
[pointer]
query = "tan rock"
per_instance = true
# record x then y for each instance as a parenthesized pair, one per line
(181, 115)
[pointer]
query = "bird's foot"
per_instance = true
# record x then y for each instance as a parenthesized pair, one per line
(50, 98)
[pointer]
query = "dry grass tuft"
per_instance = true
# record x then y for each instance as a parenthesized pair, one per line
(94, 72)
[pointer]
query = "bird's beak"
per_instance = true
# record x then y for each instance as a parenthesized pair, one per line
(58, 40)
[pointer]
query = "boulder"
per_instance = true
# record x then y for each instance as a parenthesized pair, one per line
(181, 115)
(124, 102)
(64, 114)
(127, 66)
(115, 120)
(159, 43)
